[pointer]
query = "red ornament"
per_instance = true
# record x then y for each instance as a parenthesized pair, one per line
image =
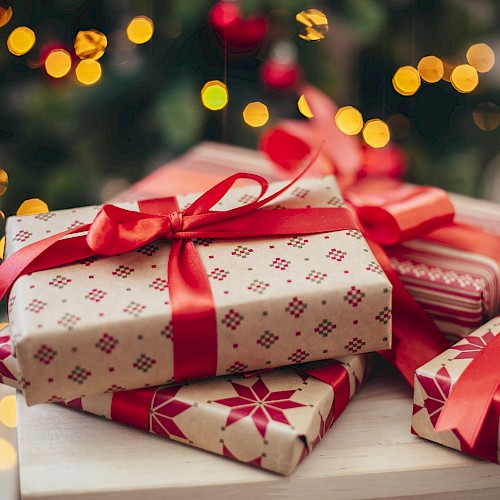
(280, 75)
(389, 161)
(239, 35)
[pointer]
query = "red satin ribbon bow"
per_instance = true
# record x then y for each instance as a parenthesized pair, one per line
(116, 230)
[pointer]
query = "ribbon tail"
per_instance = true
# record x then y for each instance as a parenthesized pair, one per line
(416, 339)
(468, 408)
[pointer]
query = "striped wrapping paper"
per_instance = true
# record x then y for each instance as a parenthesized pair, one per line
(459, 290)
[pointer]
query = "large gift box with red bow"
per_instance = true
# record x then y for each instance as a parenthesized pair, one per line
(272, 420)
(457, 395)
(290, 282)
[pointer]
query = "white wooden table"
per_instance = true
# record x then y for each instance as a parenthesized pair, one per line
(369, 453)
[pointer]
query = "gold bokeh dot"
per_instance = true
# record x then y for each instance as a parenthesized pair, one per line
(406, 80)
(32, 206)
(90, 44)
(349, 120)
(8, 411)
(140, 30)
(431, 69)
(313, 24)
(255, 114)
(8, 455)
(2, 247)
(304, 108)
(4, 181)
(88, 71)
(481, 57)
(376, 133)
(464, 78)
(21, 40)
(58, 63)
(214, 95)
(449, 64)
(5, 15)
(486, 116)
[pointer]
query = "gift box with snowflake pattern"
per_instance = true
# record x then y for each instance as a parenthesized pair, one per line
(435, 381)
(105, 323)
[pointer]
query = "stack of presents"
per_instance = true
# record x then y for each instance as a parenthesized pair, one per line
(259, 310)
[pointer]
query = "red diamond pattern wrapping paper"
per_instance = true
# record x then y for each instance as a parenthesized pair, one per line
(271, 420)
(435, 381)
(103, 324)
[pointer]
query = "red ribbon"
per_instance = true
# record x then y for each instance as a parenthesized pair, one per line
(116, 230)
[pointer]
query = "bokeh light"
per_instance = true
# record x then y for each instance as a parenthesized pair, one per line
(32, 206)
(8, 455)
(8, 411)
(303, 106)
(255, 114)
(481, 57)
(406, 80)
(4, 181)
(464, 78)
(349, 120)
(431, 69)
(486, 116)
(5, 15)
(88, 71)
(376, 133)
(58, 63)
(21, 40)
(2, 247)
(449, 64)
(313, 23)
(90, 44)
(140, 30)
(214, 95)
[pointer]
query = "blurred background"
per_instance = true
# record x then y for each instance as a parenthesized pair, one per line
(83, 115)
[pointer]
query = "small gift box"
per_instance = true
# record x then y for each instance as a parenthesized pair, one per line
(298, 283)
(457, 395)
(272, 420)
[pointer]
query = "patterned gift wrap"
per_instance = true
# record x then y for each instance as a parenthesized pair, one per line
(272, 420)
(9, 371)
(435, 381)
(104, 324)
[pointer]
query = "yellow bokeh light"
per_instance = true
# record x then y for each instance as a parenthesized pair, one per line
(32, 206)
(8, 455)
(3, 326)
(431, 69)
(449, 64)
(90, 44)
(486, 116)
(314, 25)
(4, 181)
(58, 63)
(464, 78)
(214, 95)
(349, 120)
(8, 411)
(21, 40)
(304, 108)
(5, 15)
(255, 114)
(481, 57)
(406, 80)
(88, 71)
(376, 133)
(140, 30)
(2, 247)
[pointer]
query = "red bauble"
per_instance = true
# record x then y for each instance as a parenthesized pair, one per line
(389, 161)
(238, 34)
(280, 75)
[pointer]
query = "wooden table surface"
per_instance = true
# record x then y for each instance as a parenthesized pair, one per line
(369, 453)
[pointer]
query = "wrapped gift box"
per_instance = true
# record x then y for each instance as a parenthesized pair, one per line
(271, 420)
(9, 371)
(458, 290)
(103, 324)
(436, 380)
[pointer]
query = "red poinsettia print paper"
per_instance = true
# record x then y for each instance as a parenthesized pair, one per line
(434, 382)
(105, 323)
